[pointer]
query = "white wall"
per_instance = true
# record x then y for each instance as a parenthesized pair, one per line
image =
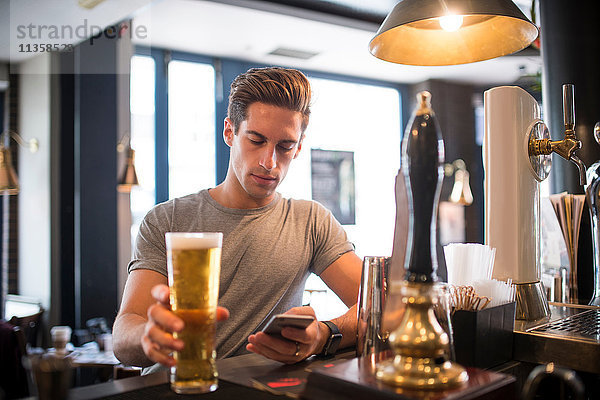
(124, 53)
(34, 179)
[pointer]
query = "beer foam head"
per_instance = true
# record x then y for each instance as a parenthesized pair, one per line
(193, 240)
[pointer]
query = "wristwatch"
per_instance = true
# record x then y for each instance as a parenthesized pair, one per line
(333, 341)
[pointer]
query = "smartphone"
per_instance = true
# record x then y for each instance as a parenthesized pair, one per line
(280, 321)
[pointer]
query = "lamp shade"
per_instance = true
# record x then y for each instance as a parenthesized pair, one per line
(448, 32)
(9, 183)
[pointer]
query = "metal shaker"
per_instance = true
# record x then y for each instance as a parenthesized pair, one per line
(371, 339)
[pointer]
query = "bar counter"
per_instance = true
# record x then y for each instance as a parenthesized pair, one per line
(251, 377)
(569, 337)
(345, 377)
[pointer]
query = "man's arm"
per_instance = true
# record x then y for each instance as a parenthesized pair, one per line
(343, 277)
(143, 329)
(140, 303)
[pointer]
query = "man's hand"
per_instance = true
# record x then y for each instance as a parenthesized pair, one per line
(158, 342)
(297, 344)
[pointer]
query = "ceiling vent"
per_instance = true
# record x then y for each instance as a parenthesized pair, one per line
(293, 53)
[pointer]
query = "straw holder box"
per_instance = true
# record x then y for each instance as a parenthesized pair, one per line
(484, 338)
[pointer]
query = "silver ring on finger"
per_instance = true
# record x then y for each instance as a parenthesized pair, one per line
(297, 353)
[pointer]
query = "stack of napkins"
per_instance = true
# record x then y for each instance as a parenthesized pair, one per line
(470, 267)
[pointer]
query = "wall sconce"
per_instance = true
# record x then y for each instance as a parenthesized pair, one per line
(129, 176)
(9, 182)
(461, 191)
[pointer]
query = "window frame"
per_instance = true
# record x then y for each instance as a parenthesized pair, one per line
(226, 69)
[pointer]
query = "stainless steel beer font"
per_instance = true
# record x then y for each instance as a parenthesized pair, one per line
(517, 157)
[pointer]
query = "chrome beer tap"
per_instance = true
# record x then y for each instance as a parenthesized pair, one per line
(540, 147)
(567, 147)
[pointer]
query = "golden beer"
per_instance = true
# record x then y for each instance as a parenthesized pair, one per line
(194, 264)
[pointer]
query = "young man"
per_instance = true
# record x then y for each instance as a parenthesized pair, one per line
(270, 244)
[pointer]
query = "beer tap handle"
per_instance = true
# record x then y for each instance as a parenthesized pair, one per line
(571, 141)
(569, 108)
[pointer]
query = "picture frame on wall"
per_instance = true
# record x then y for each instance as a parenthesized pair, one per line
(333, 183)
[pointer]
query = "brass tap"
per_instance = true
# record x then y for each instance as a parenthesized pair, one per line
(567, 147)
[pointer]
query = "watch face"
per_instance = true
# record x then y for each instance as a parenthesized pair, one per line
(333, 343)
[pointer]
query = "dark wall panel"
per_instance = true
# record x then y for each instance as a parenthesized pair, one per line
(64, 209)
(85, 209)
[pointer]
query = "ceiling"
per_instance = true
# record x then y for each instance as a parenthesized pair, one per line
(251, 30)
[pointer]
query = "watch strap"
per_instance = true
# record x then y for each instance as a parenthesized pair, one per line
(333, 341)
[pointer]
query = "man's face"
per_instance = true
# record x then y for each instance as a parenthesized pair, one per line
(262, 150)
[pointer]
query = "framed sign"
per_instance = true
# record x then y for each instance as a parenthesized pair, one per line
(332, 181)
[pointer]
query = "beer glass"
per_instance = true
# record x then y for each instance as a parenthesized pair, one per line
(194, 264)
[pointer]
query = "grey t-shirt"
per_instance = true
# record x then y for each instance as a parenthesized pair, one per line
(267, 255)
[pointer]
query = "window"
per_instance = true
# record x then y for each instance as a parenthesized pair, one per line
(191, 127)
(363, 119)
(191, 131)
(142, 108)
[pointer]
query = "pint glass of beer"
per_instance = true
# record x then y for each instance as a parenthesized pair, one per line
(194, 264)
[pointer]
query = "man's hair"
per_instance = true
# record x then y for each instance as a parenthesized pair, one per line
(281, 87)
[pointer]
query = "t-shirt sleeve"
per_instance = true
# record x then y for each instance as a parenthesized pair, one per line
(150, 249)
(329, 239)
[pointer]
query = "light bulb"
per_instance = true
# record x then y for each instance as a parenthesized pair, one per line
(451, 23)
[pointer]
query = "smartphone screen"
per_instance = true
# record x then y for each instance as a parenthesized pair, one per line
(278, 322)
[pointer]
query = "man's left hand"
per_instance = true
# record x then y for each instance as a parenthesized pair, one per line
(296, 344)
